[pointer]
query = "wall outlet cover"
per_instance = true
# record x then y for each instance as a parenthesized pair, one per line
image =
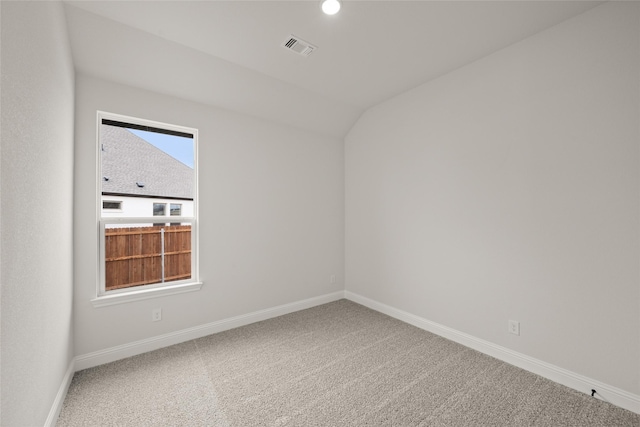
(514, 327)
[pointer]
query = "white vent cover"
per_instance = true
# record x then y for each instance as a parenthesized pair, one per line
(298, 45)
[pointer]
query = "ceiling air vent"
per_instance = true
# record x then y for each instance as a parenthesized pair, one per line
(299, 46)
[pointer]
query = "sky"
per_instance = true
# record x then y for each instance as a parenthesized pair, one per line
(176, 146)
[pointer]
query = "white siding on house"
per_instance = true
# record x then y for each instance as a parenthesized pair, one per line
(137, 207)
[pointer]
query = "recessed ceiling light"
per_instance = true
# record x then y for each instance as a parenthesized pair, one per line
(331, 7)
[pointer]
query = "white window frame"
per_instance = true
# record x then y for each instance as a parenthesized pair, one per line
(136, 293)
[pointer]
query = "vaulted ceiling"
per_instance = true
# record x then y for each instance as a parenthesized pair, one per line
(229, 54)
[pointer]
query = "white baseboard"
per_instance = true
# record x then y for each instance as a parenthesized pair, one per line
(112, 354)
(52, 418)
(559, 375)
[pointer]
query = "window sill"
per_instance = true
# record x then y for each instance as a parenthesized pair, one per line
(105, 300)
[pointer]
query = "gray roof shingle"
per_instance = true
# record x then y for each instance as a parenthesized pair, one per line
(128, 159)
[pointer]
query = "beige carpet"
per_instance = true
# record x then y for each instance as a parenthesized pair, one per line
(338, 364)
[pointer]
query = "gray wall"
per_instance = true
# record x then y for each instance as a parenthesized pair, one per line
(271, 222)
(509, 189)
(37, 207)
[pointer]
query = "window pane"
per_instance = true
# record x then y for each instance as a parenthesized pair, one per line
(146, 165)
(134, 256)
(108, 204)
(159, 209)
(175, 209)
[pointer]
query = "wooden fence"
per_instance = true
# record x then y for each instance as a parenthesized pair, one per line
(134, 255)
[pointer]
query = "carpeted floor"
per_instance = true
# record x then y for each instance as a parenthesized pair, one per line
(339, 364)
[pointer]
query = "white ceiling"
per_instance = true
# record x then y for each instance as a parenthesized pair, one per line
(228, 53)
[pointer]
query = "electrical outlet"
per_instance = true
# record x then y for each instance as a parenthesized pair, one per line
(156, 314)
(514, 327)
(332, 279)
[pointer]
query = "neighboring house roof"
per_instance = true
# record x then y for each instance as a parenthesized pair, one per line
(128, 160)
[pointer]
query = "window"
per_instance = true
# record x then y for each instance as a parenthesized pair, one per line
(150, 248)
(175, 209)
(111, 205)
(159, 209)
